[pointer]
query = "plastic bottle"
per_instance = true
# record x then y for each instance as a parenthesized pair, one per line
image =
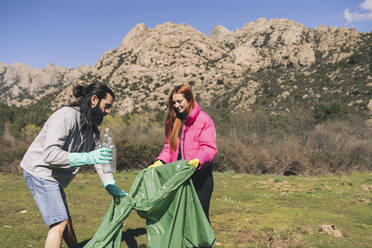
(107, 140)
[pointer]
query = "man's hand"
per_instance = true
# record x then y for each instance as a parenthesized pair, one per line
(99, 156)
(113, 189)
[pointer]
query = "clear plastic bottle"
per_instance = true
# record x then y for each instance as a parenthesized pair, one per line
(107, 140)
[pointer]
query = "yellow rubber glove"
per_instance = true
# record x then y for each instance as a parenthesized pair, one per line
(194, 162)
(156, 164)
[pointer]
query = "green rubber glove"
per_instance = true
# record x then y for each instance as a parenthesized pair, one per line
(113, 189)
(99, 156)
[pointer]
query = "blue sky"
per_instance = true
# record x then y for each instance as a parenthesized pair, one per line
(77, 32)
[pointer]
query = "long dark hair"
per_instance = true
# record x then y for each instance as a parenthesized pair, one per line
(173, 123)
(84, 95)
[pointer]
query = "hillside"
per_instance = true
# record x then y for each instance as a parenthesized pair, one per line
(22, 85)
(277, 64)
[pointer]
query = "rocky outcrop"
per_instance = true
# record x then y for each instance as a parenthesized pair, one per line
(226, 66)
(281, 41)
(150, 62)
(27, 85)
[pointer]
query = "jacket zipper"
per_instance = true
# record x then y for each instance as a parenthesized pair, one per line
(183, 146)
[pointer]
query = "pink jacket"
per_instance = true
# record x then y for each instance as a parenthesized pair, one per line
(198, 140)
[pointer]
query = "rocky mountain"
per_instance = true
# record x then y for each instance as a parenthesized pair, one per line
(22, 85)
(277, 64)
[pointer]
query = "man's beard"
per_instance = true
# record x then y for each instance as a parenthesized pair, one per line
(97, 115)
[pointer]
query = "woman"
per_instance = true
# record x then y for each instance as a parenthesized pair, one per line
(190, 134)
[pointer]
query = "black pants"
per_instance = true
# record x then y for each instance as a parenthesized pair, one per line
(203, 183)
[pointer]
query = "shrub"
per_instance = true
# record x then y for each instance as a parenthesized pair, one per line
(11, 156)
(248, 141)
(335, 146)
(235, 156)
(326, 111)
(219, 82)
(136, 156)
(30, 131)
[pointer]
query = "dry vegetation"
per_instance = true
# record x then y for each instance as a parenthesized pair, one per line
(256, 142)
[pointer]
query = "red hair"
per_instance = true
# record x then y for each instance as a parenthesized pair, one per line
(173, 124)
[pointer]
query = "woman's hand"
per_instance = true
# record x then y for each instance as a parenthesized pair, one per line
(194, 162)
(156, 164)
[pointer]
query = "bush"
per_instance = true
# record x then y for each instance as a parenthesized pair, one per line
(329, 111)
(29, 132)
(296, 143)
(282, 159)
(335, 146)
(19, 117)
(291, 143)
(240, 158)
(136, 156)
(11, 156)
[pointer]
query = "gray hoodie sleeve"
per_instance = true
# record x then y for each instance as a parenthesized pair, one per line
(57, 131)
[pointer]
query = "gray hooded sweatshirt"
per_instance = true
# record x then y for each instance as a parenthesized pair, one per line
(48, 155)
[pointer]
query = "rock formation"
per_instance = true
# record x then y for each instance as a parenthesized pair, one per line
(22, 85)
(238, 67)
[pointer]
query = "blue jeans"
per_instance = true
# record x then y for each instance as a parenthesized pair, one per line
(49, 197)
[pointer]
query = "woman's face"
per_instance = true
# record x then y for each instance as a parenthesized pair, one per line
(180, 103)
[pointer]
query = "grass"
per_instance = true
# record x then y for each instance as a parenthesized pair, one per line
(246, 210)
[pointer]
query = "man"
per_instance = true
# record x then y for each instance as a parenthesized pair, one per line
(66, 142)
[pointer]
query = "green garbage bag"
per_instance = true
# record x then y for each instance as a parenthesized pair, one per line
(166, 198)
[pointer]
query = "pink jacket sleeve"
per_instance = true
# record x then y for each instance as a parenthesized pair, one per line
(208, 147)
(165, 154)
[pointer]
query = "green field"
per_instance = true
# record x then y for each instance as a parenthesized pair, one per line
(246, 210)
